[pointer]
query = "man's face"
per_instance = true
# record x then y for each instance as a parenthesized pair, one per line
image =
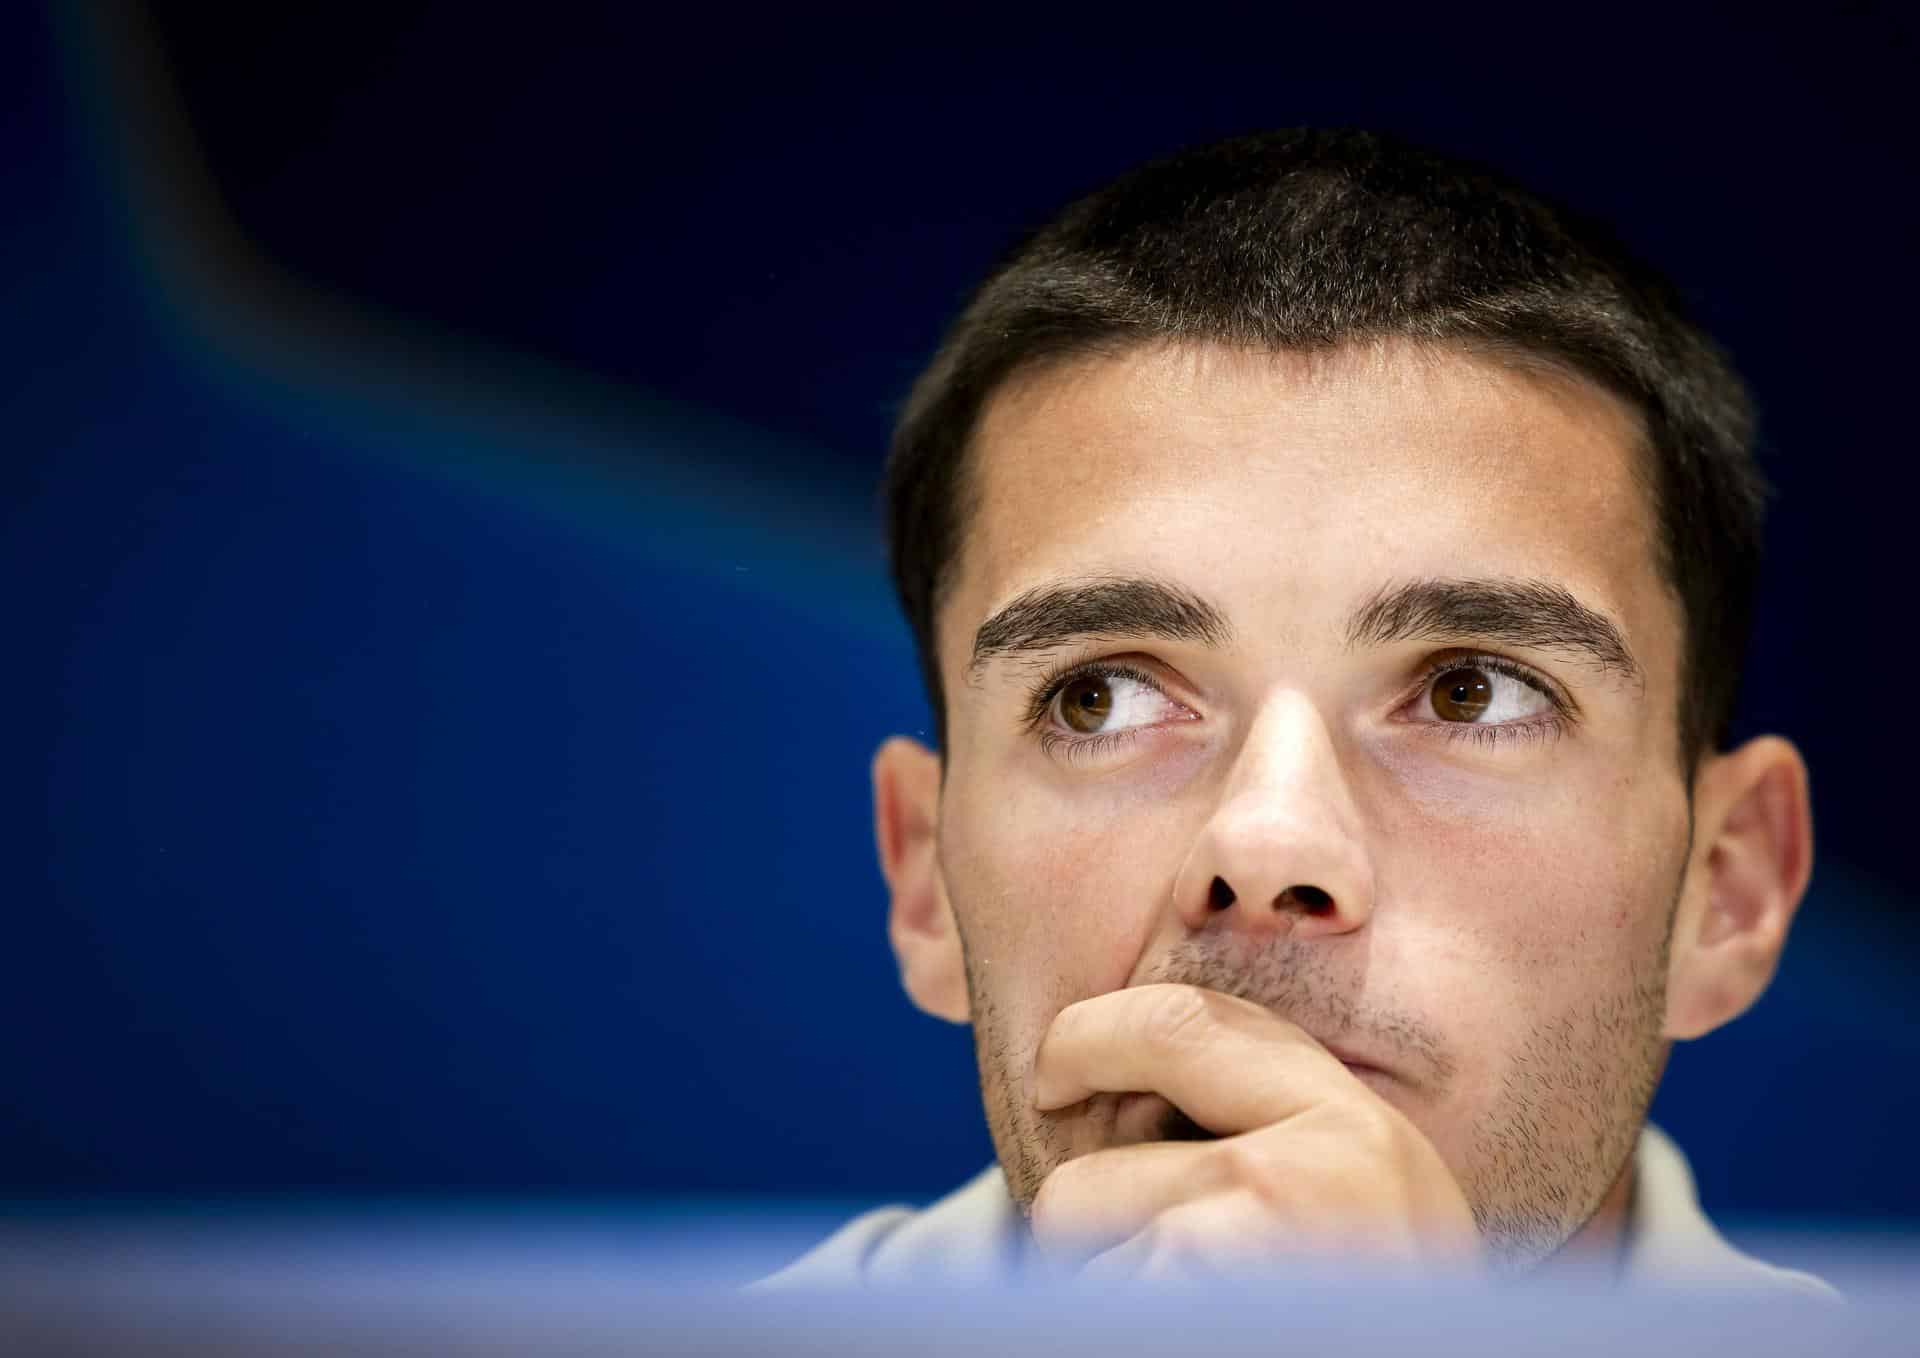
(1373, 723)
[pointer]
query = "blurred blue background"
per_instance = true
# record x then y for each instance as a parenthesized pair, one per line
(446, 615)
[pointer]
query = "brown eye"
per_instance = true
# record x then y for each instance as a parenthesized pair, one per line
(1462, 694)
(1086, 703)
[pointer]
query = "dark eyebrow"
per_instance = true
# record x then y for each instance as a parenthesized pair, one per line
(1050, 615)
(1530, 613)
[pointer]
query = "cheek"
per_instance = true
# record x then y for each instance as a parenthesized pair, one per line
(1506, 911)
(1059, 891)
(1556, 872)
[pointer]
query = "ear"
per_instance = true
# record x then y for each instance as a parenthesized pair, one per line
(1752, 855)
(920, 924)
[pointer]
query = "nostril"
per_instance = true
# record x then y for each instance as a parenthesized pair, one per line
(1220, 895)
(1316, 901)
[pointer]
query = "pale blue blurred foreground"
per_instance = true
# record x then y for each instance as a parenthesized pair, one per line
(542, 1280)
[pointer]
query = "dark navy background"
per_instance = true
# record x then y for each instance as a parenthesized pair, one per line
(446, 623)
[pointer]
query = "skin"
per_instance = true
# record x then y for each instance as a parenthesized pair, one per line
(1441, 1054)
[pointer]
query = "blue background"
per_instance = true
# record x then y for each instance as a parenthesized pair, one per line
(446, 623)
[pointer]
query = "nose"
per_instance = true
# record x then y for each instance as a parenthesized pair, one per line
(1283, 850)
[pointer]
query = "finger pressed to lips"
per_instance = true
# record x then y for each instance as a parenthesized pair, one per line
(1229, 1064)
(1308, 1155)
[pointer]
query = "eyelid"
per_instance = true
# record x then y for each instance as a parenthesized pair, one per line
(1049, 685)
(1564, 710)
(1563, 705)
(1058, 675)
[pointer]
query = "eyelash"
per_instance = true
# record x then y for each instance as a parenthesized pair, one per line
(1080, 748)
(1546, 726)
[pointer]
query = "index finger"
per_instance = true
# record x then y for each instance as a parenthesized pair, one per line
(1229, 1064)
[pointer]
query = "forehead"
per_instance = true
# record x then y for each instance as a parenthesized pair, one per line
(1293, 483)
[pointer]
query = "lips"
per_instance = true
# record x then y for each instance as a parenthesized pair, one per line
(1346, 1056)
(1358, 1063)
(1373, 1077)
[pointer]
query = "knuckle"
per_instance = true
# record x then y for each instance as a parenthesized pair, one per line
(1170, 1237)
(1050, 1210)
(1373, 1128)
(1175, 1234)
(1245, 1166)
(1208, 1229)
(1159, 1255)
(1360, 1125)
(1181, 1015)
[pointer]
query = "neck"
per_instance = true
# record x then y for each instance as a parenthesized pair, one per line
(1600, 1245)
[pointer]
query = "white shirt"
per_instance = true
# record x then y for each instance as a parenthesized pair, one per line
(974, 1235)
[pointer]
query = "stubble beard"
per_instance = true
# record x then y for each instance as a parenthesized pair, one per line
(1545, 1153)
(1562, 1131)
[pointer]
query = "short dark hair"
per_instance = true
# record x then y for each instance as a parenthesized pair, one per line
(1310, 239)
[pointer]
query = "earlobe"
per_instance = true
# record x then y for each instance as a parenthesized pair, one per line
(1753, 854)
(920, 923)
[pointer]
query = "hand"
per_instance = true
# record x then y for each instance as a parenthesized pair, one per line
(1312, 1161)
